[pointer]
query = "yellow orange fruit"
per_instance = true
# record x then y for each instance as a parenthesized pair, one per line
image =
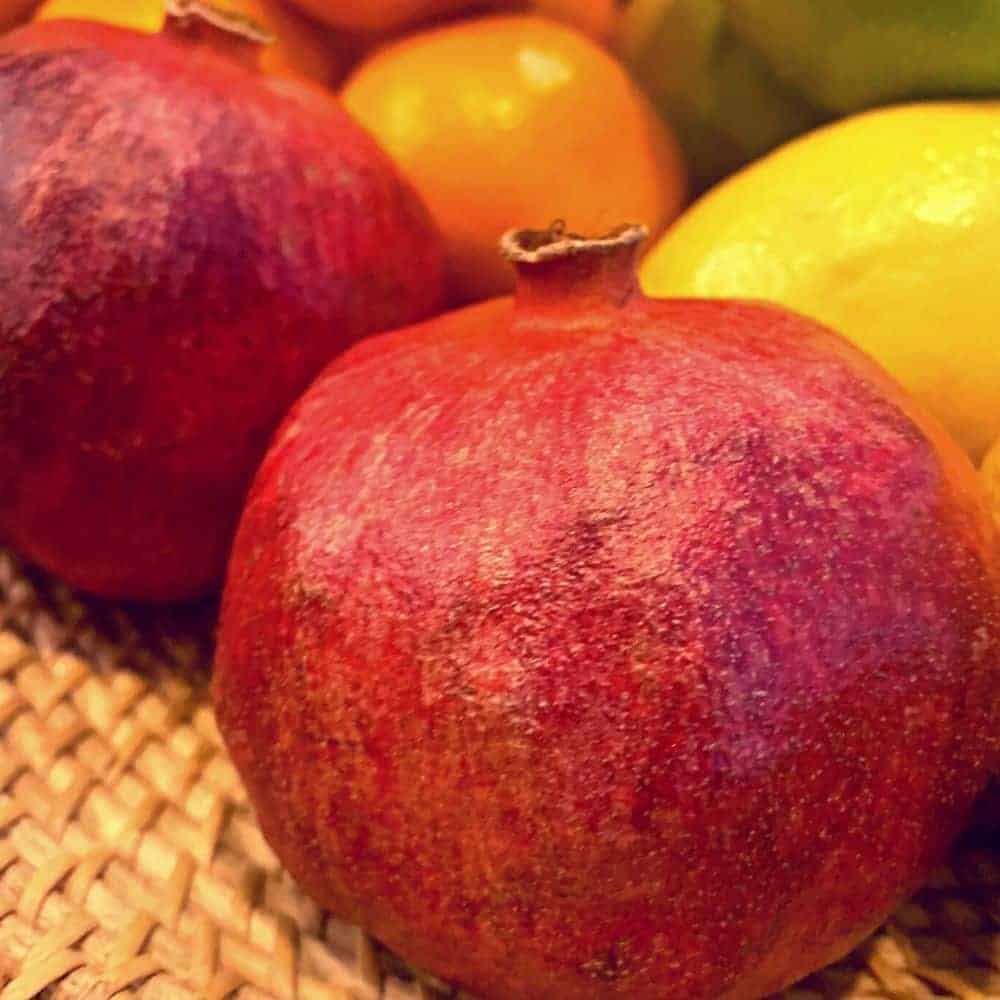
(300, 47)
(885, 226)
(514, 121)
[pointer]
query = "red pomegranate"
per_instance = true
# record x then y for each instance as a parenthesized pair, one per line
(183, 245)
(590, 646)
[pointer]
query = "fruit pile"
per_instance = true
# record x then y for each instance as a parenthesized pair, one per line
(612, 609)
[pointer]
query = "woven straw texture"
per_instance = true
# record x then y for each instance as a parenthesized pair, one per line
(131, 865)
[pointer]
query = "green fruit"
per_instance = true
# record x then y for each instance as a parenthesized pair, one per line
(846, 55)
(737, 78)
(724, 101)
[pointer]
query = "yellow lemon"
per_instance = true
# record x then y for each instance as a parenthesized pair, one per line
(885, 226)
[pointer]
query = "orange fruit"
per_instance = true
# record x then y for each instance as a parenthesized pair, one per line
(13, 12)
(300, 47)
(515, 121)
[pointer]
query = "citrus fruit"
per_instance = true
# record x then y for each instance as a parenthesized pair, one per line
(597, 17)
(886, 226)
(299, 46)
(739, 77)
(513, 121)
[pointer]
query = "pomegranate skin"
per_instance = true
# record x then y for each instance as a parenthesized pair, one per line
(588, 646)
(184, 244)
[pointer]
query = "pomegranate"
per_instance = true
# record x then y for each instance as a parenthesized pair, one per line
(184, 244)
(584, 645)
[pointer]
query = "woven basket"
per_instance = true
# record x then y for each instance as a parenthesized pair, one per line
(131, 865)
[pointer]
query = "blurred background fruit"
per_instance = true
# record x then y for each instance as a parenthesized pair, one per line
(142, 15)
(738, 77)
(845, 55)
(300, 46)
(378, 17)
(885, 226)
(723, 99)
(504, 121)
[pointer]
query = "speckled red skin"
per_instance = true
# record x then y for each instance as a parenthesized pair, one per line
(183, 246)
(597, 647)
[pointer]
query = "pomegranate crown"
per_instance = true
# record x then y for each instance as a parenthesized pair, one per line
(533, 246)
(188, 14)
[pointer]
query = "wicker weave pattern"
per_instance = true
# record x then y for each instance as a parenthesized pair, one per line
(130, 864)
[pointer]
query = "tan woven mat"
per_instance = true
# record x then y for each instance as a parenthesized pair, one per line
(131, 866)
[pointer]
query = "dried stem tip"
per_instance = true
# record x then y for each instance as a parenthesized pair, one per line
(194, 15)
(534, 246)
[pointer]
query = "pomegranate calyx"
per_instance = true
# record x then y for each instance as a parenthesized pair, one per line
(530, 246)
(200, 19)
(553, 264)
